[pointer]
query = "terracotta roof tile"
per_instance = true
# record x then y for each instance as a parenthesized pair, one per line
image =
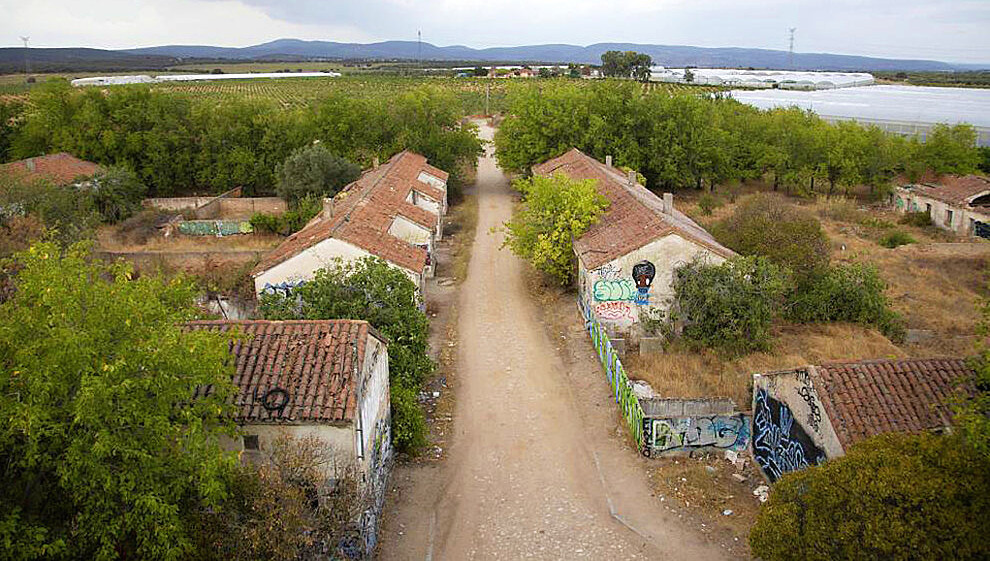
(312, 361)
(633, 218)
(61, 168)
(954, 189)
(870, 397)
(363, 213)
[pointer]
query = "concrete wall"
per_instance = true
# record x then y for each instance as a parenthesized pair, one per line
(176, 204)
(246, 207)
(302, 267)
(612, 293)
(790, 427)
(426, 203)
(409, 231)
(219, 207)
(962, 218)
(340, 438)
(673, 426)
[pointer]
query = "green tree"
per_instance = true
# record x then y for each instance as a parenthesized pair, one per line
(105, 451)
(893, 496)
(951, 149)
(314, 170)
(729, 306)
(973, 413)
(765, 224)
(372, 290)
(555, 212)
(628, 64)
(117, 193)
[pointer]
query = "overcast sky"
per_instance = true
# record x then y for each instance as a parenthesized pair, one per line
(950, 30)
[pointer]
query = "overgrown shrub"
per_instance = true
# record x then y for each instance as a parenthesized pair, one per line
(766, 224)
(920, 219)
(555, 212)
(894, 496)
(117, 194)
(729, 306)
(299, 500)
(896, 238)
(852, 293)
(314, 171)
(65, 211)
(299, 214)
(707, 203)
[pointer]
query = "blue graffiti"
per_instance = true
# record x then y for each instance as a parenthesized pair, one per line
(779, 444)
(283, 288)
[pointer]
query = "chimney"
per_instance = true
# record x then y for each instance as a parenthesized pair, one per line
(632, 177)
(30, 164)
(668, 203)
(375, 162)
(327, 213)
(608, 161)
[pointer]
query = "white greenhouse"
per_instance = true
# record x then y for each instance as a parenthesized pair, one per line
(763, 78)
(908, 110)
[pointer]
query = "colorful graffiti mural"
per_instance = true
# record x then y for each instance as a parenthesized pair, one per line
(620, 290)
(283, 288)
(608, 271)
(718, 431)
(622, 390)
(779, 444)
(218, 228)
(643, 274)
(615, 311)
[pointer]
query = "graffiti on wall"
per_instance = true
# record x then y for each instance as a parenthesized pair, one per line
(619, 290)
(807, 393)
(283, 288)
(608, 271)
(622, 390)
(779, 444)
(717, 431)
(643, 273)
(614, 311)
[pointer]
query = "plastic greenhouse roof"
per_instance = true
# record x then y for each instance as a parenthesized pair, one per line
(907, 104)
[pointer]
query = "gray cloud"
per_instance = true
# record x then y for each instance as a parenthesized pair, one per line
(952, 30)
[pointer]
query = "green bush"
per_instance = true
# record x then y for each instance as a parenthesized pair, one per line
(313, 171)
(556, 211)
(708, 203)
(117, 194)
(894, 496)
(730, 306)
(919, 219)
(767, 225)
(852, 293)
(264, 223)
(299, 214)
(896, 238)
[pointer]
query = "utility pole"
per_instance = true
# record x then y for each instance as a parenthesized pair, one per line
(27, 64)
(488, 91)
(790, 56)
(419, 45)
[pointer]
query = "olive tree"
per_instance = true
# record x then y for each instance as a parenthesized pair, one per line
(314, 170)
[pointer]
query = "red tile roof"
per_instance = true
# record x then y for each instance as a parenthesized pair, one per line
(870, 397)
(954, 189)
(363, 213)
(314, 362)
(633, 218)
(61, 168)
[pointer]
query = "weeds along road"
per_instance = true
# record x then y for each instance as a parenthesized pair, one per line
(529, 473)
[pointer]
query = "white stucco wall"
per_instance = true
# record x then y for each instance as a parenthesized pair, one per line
(610, 290)
(798, 392)
(407, 230)
(430, 205)
(339, 438)
(962, 218)
(375, 440)
(439, 184)
(303, 265)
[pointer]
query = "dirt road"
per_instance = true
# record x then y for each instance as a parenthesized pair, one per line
(537, 467)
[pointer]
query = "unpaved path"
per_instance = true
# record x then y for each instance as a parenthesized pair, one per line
(535, 469)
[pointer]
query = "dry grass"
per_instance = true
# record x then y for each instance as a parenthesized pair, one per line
(462, 227)
(141, 235)
(682, 373)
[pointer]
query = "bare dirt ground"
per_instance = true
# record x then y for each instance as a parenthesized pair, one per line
(538, 465)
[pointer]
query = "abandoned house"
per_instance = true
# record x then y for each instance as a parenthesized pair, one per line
(957, 203)
(393, 211)
(805, 416)
(324, 379)
(626, 261)
(60, 169)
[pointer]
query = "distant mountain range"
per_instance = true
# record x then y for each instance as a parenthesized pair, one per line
(295, 50)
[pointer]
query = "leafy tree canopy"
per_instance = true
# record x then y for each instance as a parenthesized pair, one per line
(314, 171)
(104, 451)
(894, 496)
(555, 212)
(628, 64)
(117, 193)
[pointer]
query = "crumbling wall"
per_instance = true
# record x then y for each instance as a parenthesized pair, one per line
(684, 425)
